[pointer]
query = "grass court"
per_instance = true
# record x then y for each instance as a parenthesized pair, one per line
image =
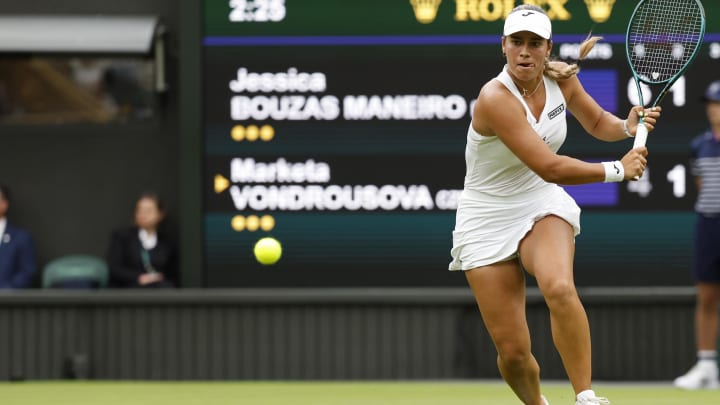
(329, 393)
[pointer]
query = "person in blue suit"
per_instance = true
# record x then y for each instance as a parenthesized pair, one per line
(17, 251)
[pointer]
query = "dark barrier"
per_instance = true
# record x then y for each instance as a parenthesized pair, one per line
(328, 334)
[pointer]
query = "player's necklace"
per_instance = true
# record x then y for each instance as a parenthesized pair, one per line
(525, 93)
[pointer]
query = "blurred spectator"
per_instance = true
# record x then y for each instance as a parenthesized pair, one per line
(705, 166)
(17, 253)
(143, 256)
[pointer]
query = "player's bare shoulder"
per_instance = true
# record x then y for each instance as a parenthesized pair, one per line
(493, 104)
(492, 95)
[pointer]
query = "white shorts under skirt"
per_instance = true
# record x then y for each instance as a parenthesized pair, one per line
(488, 229)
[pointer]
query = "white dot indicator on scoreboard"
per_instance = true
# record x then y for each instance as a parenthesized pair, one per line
(678, 51)
(639, 50)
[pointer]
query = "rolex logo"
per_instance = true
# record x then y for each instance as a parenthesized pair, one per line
(425, 10)
(600, 10)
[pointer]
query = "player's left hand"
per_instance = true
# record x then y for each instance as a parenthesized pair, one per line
(650, 116)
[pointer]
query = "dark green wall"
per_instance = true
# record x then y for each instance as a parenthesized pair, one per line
(640, 334)
(73, 184)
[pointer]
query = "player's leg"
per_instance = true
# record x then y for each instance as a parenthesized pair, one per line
(547, 253)
(707, 274)
(706, 316)
(499, 290)
(706, 271)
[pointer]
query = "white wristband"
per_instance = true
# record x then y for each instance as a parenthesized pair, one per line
(614, 171)
(627, 132)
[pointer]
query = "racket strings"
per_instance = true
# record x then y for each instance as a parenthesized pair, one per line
(663, 37)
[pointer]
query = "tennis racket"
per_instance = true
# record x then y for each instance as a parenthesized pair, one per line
(663, 37)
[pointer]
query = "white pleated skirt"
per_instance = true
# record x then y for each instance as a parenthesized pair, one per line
(488, 229)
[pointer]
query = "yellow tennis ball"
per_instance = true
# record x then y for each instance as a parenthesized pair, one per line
(267, 251)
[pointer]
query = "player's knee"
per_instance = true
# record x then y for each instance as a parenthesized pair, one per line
(513, 355)
(559, 293)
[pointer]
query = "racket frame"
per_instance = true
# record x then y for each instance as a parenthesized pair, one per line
(641, 135)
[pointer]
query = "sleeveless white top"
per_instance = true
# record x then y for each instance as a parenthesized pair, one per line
(502, 198)
(492, 168)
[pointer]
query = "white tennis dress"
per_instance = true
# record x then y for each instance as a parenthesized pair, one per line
(502, 198)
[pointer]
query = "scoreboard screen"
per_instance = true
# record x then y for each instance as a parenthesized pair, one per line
(339, 128)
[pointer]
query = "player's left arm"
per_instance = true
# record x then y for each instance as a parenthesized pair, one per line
(595, 120)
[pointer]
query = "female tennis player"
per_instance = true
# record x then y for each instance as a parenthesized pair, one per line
(513, 216)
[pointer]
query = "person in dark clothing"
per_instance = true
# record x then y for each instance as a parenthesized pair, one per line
(705, 166)
(143, 256)
(17, 250)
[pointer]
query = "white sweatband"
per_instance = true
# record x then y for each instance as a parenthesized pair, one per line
(614, 171)
(625, 128)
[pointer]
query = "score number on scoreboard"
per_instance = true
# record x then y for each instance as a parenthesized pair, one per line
(257, 10)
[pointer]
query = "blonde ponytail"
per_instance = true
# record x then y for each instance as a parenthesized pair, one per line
(559, 70)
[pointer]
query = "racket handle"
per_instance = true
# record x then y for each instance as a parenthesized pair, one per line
(640, 135)
(640, 138)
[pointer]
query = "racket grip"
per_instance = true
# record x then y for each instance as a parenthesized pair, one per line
(640, 139)
(640, 135)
